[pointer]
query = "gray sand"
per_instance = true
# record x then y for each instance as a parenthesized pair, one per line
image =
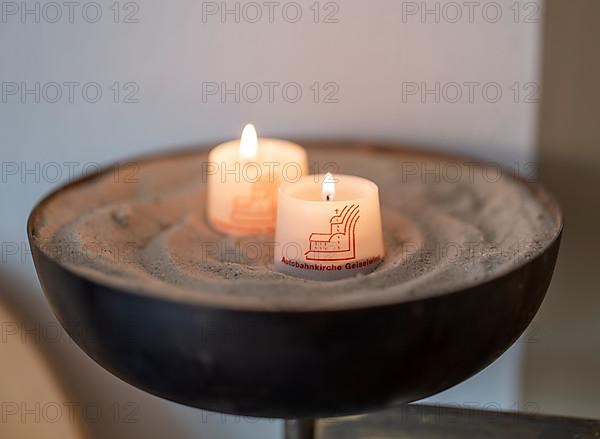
(151, 236)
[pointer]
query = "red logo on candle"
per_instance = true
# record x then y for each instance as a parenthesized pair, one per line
(340, 243)
(256, 210)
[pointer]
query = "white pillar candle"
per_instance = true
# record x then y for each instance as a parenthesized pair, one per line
(328, 227)
(243, 176)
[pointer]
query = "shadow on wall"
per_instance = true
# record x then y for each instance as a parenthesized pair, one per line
(562, 370)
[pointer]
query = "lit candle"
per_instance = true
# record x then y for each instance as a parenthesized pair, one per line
(328, 227)
(243, 177)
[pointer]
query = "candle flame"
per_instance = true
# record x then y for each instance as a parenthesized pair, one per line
(328, 188)
(249, 143)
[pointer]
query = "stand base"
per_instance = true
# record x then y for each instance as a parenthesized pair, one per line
(300, 429)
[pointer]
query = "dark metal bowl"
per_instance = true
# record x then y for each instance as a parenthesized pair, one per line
(296, 364)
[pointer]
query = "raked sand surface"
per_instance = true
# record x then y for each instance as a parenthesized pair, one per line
(144, 230)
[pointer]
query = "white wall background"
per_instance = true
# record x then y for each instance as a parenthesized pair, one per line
(369, 53)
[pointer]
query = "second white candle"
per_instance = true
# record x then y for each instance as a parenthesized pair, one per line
(328, 230)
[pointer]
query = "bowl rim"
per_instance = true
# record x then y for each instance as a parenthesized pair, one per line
(537, 190)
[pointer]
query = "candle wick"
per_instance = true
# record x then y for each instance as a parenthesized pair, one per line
(328, 197)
